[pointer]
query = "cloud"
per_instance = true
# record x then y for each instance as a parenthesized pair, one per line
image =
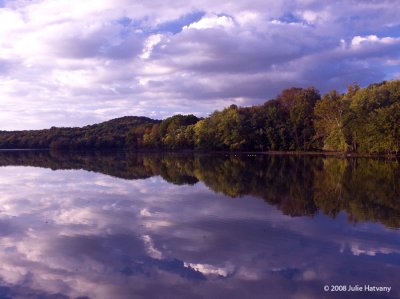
(365, 41)
(150, 43)
(69, 63)
(212, 21)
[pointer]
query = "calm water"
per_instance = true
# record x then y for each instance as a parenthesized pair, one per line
(182, 226)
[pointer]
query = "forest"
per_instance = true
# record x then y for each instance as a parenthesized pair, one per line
(361, 120)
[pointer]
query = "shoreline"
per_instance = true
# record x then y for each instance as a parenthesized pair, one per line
(186, 151)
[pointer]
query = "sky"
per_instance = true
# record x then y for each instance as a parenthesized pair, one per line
(73, 63)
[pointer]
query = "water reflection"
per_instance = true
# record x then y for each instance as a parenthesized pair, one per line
(79, 234)
(366, 189)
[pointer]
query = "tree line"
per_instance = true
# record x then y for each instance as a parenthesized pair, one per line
(361, 120)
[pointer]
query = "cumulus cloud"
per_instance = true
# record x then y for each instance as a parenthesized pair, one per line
(69, 63)
(358, 41)
(213, 21)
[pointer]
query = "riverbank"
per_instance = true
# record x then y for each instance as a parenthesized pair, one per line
(196, 151)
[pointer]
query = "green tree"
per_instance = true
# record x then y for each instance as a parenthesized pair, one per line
(299, 103)
(329, 116)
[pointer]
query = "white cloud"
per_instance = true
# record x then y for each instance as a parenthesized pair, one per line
(212, 21)
(314, 17)
(248, 18)
(151, 249)
(149, 44)
(360, 40)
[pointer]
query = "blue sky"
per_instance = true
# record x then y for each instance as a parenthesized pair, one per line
(72, 63)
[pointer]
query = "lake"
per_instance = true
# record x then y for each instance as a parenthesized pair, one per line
(125, 225)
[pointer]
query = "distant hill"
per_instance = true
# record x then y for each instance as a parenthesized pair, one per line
(125, 122)
(108, 134)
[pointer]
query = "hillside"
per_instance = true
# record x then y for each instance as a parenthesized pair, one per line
(108, 134)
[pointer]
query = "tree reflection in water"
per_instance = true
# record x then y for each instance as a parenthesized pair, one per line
(366, 189)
